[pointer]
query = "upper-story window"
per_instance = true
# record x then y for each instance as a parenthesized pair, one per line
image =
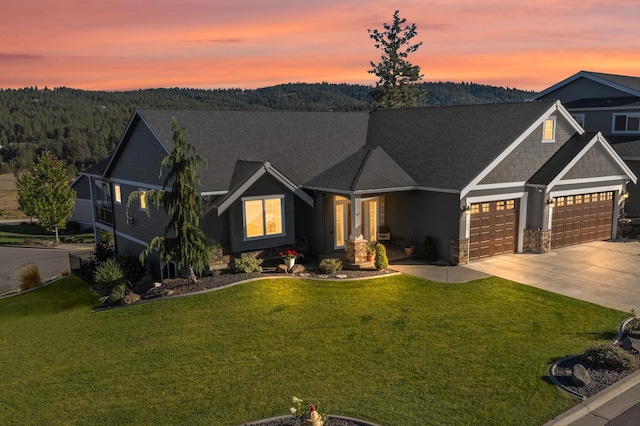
(143, 199)
(626, 123)
(580, 119)
(549, 130)
(117, 195)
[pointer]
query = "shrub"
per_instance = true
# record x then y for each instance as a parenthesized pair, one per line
(381, 261)
(609, 356)
(429, 249)
(104, 250)
(28, 276)
(131, 267)
(248, 264)
(330, 266)
(110, 281)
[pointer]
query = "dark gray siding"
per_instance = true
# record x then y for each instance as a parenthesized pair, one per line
(143, 227)
(583, 88)
(266, 185)
(126, 246)
(81, 186)
(535, 208)
(216, 227)
(320, 224)
(530, 155)
(417, 214)
(597, 121)
(140, 158)
(632, 205)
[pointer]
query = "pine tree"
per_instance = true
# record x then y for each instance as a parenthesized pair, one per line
(183, 241)
(396, 86)
(44, 192)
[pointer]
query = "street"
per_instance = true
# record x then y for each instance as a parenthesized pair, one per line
(51, 263)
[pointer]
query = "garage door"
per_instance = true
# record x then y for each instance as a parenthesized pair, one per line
(581, 218)
(494, 228)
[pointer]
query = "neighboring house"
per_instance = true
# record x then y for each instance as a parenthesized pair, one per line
(481, 180)
(90, 196)
(609, 104)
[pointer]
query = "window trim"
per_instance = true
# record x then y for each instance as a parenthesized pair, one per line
(117, 193)
(263, 198)
(553, 130)
(626, 123)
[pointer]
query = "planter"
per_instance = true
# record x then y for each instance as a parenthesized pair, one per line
(290, 262)
(369, 258)
(409, 250)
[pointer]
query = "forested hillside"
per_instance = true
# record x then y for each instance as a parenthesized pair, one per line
(83, 127)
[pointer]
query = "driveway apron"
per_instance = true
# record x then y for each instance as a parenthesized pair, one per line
(606, 273)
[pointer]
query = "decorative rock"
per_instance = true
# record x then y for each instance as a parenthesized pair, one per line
(283, 268)
(297, 269)
(341, 276)
(304, 274)
(130, 298)
(631, 343)
(580, 375)
(156, 284)
(323, 276)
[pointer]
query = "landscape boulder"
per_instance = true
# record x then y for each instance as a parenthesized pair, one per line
(580, 375)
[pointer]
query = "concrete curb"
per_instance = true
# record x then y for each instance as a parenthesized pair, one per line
(588, 405)
(331, 416)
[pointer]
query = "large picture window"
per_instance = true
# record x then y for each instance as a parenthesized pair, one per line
(263, 216)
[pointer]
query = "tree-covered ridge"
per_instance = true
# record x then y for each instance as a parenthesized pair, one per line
(81, 127)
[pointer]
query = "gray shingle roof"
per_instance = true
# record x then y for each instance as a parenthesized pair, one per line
(446, 147)
(561, 159)
(603, 102)
(621, 80)
(628, 150)
(300, 145)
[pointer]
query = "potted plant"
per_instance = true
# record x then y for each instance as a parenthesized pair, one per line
(371, 251)
(409, 248)
(308, 414)
(289, 256)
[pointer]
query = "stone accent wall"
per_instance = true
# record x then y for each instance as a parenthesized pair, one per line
(357, 251)
(459, 251)
(536, 241)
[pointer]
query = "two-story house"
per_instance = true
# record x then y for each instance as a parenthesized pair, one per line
(609, 104)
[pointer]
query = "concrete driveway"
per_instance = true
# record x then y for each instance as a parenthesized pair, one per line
(606, 273)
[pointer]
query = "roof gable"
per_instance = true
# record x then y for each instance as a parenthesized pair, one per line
(626, 84)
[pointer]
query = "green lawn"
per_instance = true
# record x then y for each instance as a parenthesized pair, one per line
(31, 233)
(396, 350)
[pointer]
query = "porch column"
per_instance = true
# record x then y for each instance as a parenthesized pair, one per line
(356, 244)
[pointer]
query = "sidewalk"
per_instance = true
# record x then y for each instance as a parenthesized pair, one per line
(603, 407)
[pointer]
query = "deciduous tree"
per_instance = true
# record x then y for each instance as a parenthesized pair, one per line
(396, 86)
(44, 192)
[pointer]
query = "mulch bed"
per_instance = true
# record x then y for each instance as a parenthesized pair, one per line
(177, 286)
(601, 378)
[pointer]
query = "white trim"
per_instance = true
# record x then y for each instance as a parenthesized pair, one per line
(214, 193)
(130, 238)
(138, 184)
(536, 124)
(587, 75)
(580, 191)
(505, 185)
(592, 180)
(495, 197)
(598, 138)
(553, 120)
(626, 124)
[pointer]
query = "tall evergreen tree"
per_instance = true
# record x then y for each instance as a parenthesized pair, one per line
(396, 86)
(183, 241)
(44, 192)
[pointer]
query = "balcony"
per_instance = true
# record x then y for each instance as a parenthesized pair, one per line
(104, 215)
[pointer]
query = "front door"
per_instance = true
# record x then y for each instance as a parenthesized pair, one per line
(370, 219)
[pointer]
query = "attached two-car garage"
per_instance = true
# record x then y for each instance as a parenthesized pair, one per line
(576, 219)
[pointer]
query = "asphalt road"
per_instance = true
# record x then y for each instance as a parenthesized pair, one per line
(50, 261)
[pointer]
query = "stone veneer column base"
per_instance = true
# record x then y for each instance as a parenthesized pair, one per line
(536, 241)
(460, 251)
(357, 251)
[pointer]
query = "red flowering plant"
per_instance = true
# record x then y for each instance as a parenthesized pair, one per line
(289, 254)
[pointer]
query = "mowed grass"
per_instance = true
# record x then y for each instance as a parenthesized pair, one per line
(396, 350)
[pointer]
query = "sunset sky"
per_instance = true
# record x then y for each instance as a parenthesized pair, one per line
(135, 44)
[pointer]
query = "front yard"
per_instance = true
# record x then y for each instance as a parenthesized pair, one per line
(395, 350)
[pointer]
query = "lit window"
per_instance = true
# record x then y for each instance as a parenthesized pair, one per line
(578, 199)
(116, 193)
(626, 123)
(549, 130)
(143, 199)
(570, 200)
(500, 205)
(486, 207)
(475, 208)
(511, 204)
(559, 201)
(263, 216)
(587, 198)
